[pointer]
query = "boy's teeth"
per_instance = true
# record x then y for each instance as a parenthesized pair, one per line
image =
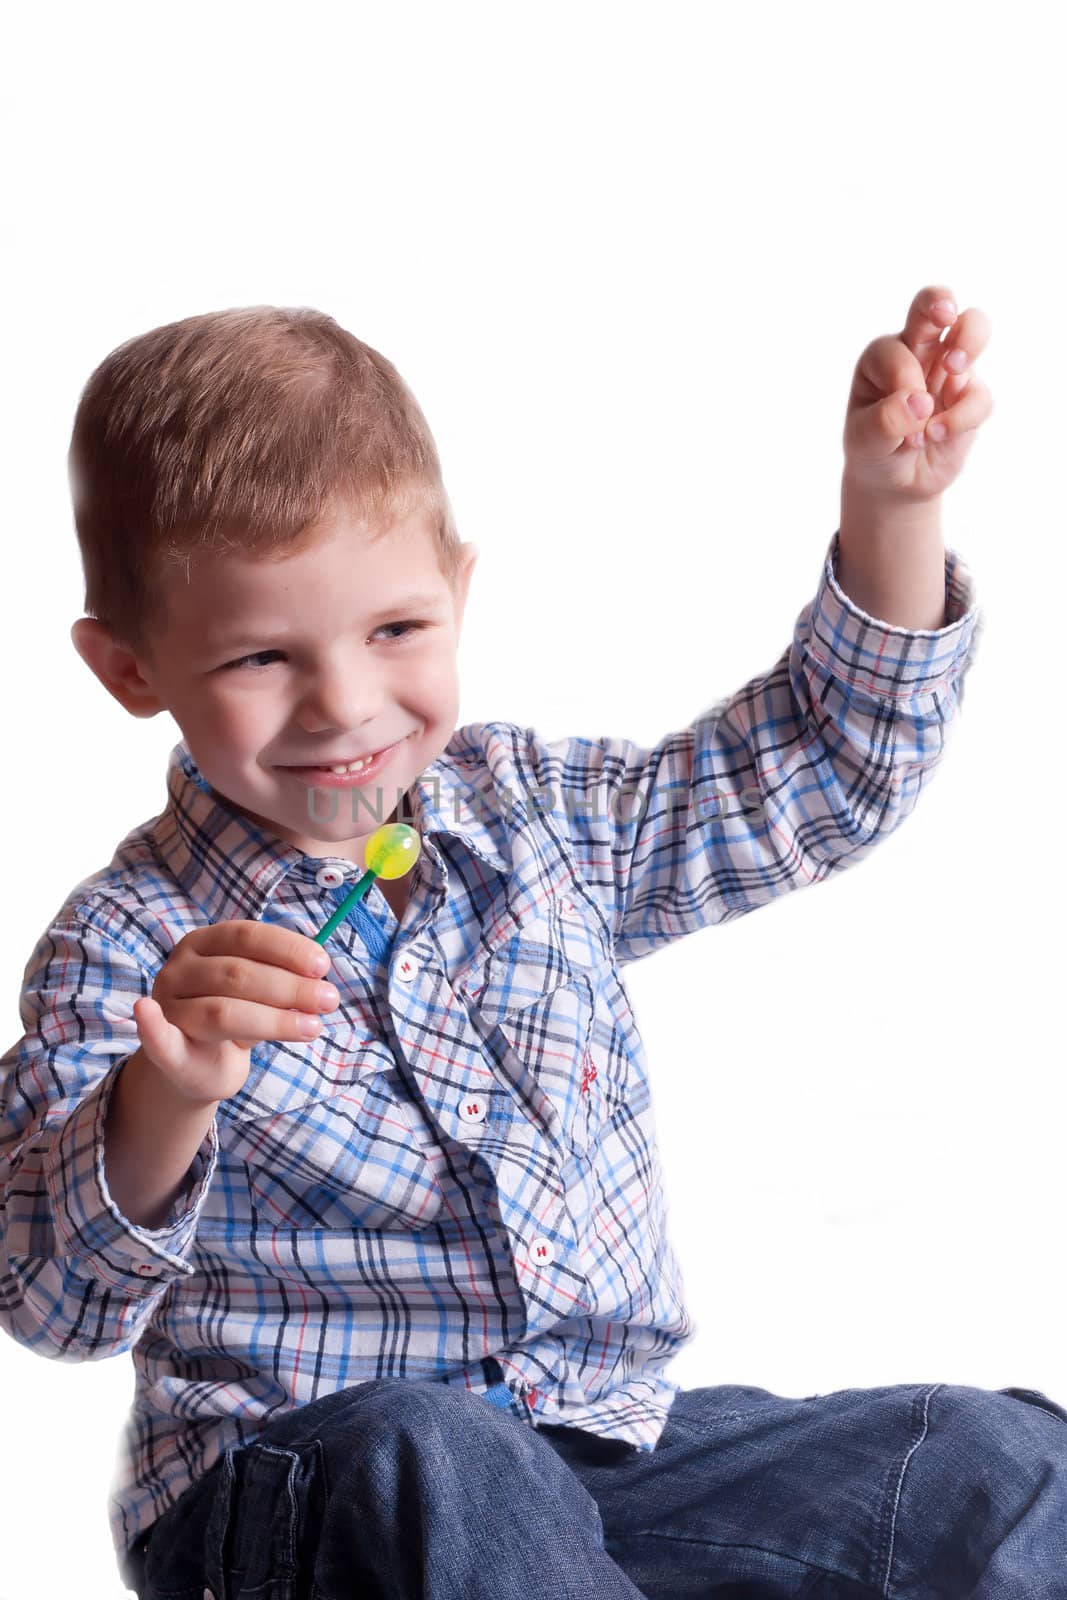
(353, 766)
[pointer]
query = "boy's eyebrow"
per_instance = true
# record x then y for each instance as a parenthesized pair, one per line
(224, 639)
(411, 602)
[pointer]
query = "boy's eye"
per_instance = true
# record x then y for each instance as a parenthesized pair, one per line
(408, 627)
(261, 655)
(243, 661)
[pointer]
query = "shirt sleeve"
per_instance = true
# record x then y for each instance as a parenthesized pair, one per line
(794, 777)
(78, 1279)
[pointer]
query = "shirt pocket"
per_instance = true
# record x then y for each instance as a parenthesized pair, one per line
(548, 994)
(353, 1157)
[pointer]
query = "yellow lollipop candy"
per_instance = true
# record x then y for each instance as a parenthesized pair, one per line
(391, 850)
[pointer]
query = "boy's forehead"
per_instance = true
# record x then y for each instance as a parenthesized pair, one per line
(217, 592)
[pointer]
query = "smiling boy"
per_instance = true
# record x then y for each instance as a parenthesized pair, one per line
(398, 1286)
(332, 671)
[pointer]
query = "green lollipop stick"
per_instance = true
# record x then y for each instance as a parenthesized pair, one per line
(391, 851)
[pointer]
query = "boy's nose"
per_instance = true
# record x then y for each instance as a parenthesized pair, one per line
(345, 700)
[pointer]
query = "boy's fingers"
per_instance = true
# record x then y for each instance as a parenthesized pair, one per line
(884, 368)
(924, 324)
(163, 1041)
(968, 330)
(875, 432)
(262, 941)
(257, 982)
(970, 411)
(216, 1018)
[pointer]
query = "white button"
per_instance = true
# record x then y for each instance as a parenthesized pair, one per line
(542, 1253)
(569, 908)
(473, 1108)
(407, 969)
(329, 877)
(147, 1268)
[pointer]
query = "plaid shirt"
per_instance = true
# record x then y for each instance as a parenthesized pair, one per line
(459, 1178)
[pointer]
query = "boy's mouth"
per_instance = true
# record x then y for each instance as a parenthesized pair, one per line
(328, 776)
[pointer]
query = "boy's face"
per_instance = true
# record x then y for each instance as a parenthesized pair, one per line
(360, 640)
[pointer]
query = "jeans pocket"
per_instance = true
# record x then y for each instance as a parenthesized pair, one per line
(1034, 1397)
(267, 1542)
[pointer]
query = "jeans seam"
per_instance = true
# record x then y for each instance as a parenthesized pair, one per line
(886, 1591)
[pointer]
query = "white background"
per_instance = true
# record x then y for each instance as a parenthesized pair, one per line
(627, 258)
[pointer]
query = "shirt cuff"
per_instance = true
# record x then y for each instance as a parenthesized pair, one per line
(89, 1224)
(885, 660)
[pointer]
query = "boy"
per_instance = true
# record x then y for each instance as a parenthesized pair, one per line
(355, 1234)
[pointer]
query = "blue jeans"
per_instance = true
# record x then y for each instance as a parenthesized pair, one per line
(403, 1488)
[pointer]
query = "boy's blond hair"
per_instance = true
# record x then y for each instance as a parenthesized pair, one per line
(239, 430)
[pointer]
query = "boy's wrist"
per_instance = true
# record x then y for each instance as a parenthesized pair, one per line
(903, 510)
(155, 1086)
(151, 1137)
(891, 557)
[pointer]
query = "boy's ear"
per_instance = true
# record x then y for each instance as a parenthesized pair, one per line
(463, 579)
(116, 666)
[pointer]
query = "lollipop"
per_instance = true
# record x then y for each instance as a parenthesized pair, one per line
(391, 851)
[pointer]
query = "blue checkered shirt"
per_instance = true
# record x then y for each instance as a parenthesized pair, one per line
(459, 1178)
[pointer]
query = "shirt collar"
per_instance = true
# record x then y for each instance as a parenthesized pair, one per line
(230, 867)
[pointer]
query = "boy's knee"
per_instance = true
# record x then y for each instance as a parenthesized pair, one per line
(983, 1489)
(421, 1406)
(993, 1461)
(1002, 1428)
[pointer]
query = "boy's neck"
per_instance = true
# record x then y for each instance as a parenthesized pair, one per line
(396, 894)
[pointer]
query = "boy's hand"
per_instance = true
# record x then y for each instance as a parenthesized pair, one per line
(891, 451)
(223, 989)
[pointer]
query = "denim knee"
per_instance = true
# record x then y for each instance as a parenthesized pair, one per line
(424, 1410)
(1009, 1426)
(983, 1495)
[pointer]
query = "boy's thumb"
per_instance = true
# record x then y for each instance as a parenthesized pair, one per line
(151, 1027)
